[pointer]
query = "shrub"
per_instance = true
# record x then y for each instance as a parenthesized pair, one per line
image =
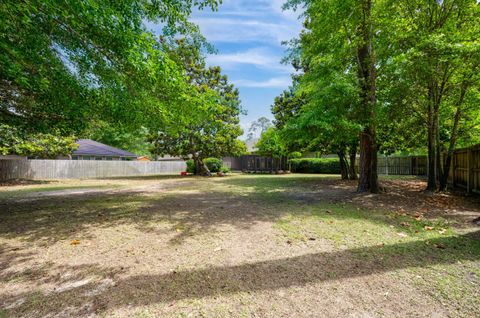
(213, 164)
(315, 165)
(191, 166)
(225, 170)
(295, 155)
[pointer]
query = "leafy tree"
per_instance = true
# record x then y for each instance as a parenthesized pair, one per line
(64, 63)
(286, 106)
(437, 59)
(258, 127)
(271, 144)
(338, 46)
(206, 124)
(200, 136)
(323, 126)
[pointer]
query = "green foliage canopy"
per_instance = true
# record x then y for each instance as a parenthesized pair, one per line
(42, 146)
(206, 122)
(271, 144)
(64, 64)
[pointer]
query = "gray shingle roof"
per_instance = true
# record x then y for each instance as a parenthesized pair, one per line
(92, 148)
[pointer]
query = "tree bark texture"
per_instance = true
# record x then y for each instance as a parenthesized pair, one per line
(368, 181)
(353, 158)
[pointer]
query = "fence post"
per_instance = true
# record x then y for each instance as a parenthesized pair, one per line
(454, 169)
(386, 165)
(3, 176)
(469, 170)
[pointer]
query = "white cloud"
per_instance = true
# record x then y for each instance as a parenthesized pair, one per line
(260, 57)
(240, 21)
(275, 82)
(261, 7)
(241, 30)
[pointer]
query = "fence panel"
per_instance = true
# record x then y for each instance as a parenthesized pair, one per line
(399, 165)
(460, 168)
(475, 169)
(402, 166)
(83, 169)
(466, 171)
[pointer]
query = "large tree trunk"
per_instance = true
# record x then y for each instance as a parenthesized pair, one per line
(453, 140)
(438, 153)
(352, 172)
(368, 181)
(436, 89)
(431, 184)
(200, 167)
(343, 164)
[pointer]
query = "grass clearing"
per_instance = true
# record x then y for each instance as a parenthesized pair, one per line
(242, 246)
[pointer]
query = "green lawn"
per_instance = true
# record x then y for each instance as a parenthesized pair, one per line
(241, 246)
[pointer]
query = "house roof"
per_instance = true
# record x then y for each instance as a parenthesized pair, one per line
(93, 148)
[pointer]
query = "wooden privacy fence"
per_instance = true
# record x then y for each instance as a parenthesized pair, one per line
(83, 169)
(403, 166)
(465, 171)
(254, 163)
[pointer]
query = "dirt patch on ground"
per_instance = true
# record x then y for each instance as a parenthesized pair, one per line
(211, 248)
(403, 196)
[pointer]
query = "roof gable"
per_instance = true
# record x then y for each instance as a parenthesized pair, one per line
(94, 148)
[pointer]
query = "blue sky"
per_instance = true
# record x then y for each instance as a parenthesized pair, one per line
(247, 35)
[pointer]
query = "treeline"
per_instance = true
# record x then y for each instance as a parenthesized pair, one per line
(381, 77)
(95, 69)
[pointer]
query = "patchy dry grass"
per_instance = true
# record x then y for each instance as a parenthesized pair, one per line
(242, 246)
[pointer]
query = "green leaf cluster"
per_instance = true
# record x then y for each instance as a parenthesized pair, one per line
(271, 144)
(41, 146)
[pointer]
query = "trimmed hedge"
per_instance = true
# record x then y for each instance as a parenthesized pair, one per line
(316, 165)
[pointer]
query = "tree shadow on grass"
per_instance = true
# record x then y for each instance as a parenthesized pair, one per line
(192, 213)
(49, 219)
(402, 194)
(12, 256)
(141, 290)
(187, 215)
